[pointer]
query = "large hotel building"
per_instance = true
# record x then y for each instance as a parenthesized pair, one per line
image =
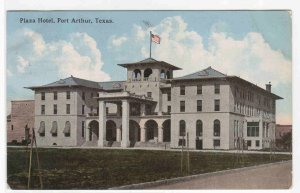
(202, 110)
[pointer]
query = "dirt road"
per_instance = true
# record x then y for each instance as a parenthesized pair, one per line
(276, 176)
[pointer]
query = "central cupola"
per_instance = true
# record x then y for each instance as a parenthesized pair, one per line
(149, 70)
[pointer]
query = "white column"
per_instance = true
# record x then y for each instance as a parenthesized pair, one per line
(102, 124)
(143, 132)
(118, 134)
(86, 131)
(143, 109)
(160, 134)
(125, 124)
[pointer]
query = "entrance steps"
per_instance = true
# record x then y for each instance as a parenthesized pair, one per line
(113, 144)
(90, 144)
(149, 144)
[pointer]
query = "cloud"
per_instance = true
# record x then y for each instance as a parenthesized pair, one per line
(22, 64)
(118, 41)
(78, 55)
(249, 57)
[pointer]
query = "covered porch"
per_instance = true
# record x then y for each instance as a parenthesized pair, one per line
(133, 123)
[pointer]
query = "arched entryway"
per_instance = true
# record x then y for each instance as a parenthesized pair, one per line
(93, 130)
(134, 131)
(151, 130)
(166, 130)
(111, 130)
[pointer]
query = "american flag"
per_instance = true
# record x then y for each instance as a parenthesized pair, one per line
(155, 38)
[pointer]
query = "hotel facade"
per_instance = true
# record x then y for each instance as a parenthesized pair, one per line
(151, 108)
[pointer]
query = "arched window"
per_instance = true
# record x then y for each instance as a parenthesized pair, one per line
(182, 128)
(41, 130)
(147, 73)
(217, 126)
(136, 74)
(168, 75)
(67, 129)
(54, 129)
(199, 128)
(162, 74)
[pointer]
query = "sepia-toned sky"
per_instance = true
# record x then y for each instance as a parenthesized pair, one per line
(255, 45)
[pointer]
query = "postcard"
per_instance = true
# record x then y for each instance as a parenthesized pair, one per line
(149, 99)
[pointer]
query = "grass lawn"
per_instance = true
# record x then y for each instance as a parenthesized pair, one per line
(102, 169)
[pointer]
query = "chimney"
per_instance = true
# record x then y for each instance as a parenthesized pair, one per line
(268, 87)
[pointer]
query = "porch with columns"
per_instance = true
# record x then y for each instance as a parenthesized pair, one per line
(123, 100)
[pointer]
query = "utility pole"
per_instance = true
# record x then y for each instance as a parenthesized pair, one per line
(188, 153)
(181, 161)
(150, 42)
(33, 140)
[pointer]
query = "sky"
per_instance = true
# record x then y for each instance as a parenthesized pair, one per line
(255, 45)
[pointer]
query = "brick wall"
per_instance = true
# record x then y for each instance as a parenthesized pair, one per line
(22, 114)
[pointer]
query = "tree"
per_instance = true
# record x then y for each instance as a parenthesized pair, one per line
(286, 140)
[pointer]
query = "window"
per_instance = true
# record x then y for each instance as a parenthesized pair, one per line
(42, 96)
(41, 130)
(92, 109)
(199, 105)
(169, 109)
(182, 90)
(82, 109)
(169, 96)
(216, 142)
(147, 74)
(148, 109)
(68, 109)
(67, 129)
(12, 127)
(68, 95)
(83, 95)
(55, 109)
(55, 95)
(199, 89)
(217, 128)
(217, 89)
(168, 75)
(217, 105)
(257, 143)
(267, 129)
(42, 109)
(136, 75)
(149, 94)
(249, 143)
(54, 129)
(181, 142)
(182, 106)
(162, 74)
(199, 128)
(182, 128)
(82, 129)
(253, 129)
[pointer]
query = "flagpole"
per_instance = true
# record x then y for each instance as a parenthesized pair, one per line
(150, 42)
